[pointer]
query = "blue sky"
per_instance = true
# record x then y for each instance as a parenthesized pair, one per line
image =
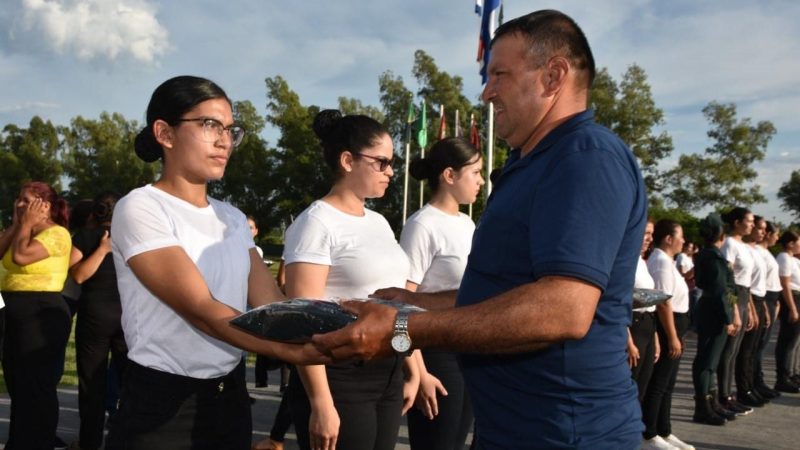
(63, 58)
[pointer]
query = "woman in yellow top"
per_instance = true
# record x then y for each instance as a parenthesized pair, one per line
(36, 250)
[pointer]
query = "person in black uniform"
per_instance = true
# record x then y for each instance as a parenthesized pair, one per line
(99, 327)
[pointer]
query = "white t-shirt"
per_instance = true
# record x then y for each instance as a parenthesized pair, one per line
(437, 245)
(361, 251)
(788, 266)
(772, 278)
(667, 278)
(218, 240)
(643, 280)
(759, 284)
(740, 257)
(684, 262)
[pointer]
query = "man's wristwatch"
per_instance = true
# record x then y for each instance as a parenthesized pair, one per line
(401, 341)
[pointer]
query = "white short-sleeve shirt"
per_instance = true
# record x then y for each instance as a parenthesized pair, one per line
(772, 278)
(738, 254)
(218, 240)
(788, 266)
(667, 278)
(643, 280)
(362, 252)
(758, 286)
(684, 262)
(437, 245)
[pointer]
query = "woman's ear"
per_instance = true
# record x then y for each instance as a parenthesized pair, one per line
(163, 133)
(346, 161)
(449, 175)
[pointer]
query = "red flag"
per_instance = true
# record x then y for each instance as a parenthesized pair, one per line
(442, 123)
(474, 137)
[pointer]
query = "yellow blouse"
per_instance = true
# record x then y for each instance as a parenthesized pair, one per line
(47, 275)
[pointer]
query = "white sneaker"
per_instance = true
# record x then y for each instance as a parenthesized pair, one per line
(677, 443)
(657, 443)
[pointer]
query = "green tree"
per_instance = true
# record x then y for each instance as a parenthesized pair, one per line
(629, 110)
(789, 193)
(249, 183)
(99, 156)
(27, 154)
(300, 169)
(719, 177)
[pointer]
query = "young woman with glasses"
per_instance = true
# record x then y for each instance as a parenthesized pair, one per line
(339, 248)
(186, 264)
(437, 240)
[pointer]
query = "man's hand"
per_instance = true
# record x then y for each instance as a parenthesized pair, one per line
(367, 338)
(395, 294)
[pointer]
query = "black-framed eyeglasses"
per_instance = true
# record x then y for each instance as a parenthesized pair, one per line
(383, 163)
(213, 130)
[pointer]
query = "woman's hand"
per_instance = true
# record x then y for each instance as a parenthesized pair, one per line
(323, 427)
(105, 243)
(633, 354)
(426, 397)
(730, 329)
(675, 348)
(737, 323)
(38, 211)
(410, 390)
(657, 353)
(793, 316)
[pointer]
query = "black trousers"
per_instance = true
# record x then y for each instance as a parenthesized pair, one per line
(449, 429)
(282, 422)
(788, 341)
(727, 363)
(711, 338)
(37, 328)
(657, 405)
(746, 359)
(97, 331)
(164, 411)
(368, 397)
(643, 330)
(771, 300)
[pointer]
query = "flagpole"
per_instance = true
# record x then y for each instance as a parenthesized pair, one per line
(405, 180)
(489, 150)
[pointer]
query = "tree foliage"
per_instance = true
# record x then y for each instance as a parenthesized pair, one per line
(789, 193)
(27, 154)
(719, 177)
(629, 110)
(99, 156)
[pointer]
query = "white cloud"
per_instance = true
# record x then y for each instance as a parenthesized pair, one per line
(91, 30)
(28, 106)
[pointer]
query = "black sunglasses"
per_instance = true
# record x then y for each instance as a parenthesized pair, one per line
(383, 162)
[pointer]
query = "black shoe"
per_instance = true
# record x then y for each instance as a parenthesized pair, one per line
(795, 379)
(704, 411)
(283, 387)
(261, 384)
(785, 385)
(252, 400)
(736, 407)
(750, 399)
(59, 444)
(767, 393)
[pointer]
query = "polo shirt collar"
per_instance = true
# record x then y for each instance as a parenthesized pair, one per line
(515, 161)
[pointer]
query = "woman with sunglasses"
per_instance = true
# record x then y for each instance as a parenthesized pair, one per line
(186, 264)
(339, 248)
(437, 240)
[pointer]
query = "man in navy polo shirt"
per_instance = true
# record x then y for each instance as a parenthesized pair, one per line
(543, 308)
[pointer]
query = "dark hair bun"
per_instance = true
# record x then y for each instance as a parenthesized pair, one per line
(146, 146)
(326, 123)
(420, 169)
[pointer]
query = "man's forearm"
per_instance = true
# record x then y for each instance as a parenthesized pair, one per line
(434, 300)
(527, 318)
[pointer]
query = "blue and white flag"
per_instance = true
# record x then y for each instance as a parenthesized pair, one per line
(490, 20)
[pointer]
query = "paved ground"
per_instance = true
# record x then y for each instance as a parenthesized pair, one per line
(776, 426)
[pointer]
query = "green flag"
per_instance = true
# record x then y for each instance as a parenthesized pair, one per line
(422, 126)
(412, 115)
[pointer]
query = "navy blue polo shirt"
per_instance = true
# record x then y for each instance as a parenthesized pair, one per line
(575, 206)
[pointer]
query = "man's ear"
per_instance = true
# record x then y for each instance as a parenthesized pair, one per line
(163, 133)
(555, 74)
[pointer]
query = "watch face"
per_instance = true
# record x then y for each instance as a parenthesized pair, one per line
(401, 343)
